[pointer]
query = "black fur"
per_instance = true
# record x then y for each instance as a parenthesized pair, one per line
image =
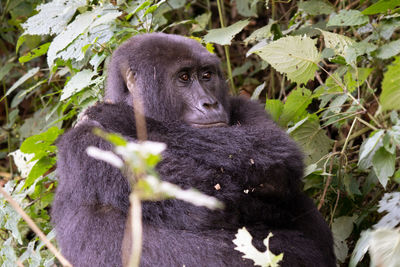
(91, 203)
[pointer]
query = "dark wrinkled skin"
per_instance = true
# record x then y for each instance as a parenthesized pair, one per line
(244, 151)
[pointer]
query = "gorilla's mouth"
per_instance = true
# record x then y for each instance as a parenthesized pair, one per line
(209, 125)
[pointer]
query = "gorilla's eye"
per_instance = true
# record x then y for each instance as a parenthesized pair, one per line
(206, 75)
(184, 77)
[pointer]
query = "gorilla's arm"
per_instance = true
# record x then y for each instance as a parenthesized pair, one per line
(91, 203)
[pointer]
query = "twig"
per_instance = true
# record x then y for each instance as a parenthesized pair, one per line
(34, 228)
(328, 180)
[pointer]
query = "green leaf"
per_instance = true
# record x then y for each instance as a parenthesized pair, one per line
(384, 165)
(21, 80)
(295, 56)
(382, 6)
(368, 149)
(52, 18)
(37, 52)
(354, 78)
(341, 230)
(224, 36)
(295, 106)
(261, 33)
(390, 96)
(313, 140)
(257, 91)
(389, 50)
(358, 49)
(42, 166)
(348, 18)
(274, 107)
(316, 7)
(339, 43)
(42, 144)
(77, 83)
(247, 8)
(5, 69)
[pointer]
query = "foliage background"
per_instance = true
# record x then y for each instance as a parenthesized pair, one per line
(328, 72)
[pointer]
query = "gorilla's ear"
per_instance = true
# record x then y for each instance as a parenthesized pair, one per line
(129, 78)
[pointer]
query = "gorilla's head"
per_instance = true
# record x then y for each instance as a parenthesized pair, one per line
(175, 77)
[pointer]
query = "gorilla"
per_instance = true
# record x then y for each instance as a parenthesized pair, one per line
(226, 147)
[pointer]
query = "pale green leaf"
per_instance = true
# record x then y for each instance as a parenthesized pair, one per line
(361, 248)
(389, 50)
(385, 247)
(52, 18)
(313, 140)
(368, 149)
(247, 8)
(257, 91)
(261, 33)
(224, 36)
(316, 7)
(295, 56)
(21, 80)
(77, 83)
(341, 230)
(40, 167)
(381, 6)
(339, 43)
(390, 96)
(384, 165)
(243, 243)
(357, 49)
(348, 18)
(23, 162)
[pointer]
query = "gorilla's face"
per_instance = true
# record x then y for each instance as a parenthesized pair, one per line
(197, 84)
(174, 77)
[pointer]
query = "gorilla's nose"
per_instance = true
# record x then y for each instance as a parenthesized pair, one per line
(211, 104)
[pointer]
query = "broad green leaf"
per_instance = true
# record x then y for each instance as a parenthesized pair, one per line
(385, 247)
(341, 230)
(382, 6)
(41, 144)
(224, 36)
(37, 52)
(202, 21)
(295, 106)
(41, 166)
(274, 107)
(316, 7)
(389, 50)
(77, 83)
(5, 69)
(313, 140)
(339, 43)
(348, 18)
(261, 33)
(368, 149)
(52, 18)
(384, 165)
(390, 96)
(243, 243)
(21, 80)
(295, 56)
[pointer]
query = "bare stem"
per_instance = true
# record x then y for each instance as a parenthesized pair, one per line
(34, 228)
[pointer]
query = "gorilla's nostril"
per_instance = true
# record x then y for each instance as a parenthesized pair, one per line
(211, 105)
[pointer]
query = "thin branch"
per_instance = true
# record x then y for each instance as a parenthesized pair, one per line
(34, 228)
